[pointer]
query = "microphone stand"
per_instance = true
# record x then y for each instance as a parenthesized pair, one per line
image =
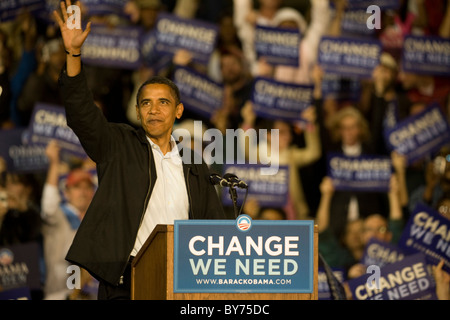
(216, 179)
(233, 196)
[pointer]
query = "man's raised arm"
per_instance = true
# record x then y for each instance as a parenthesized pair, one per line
(82, 114)
(72, 34)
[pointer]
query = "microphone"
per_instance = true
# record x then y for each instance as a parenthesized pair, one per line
(216, 179)
(235, 181)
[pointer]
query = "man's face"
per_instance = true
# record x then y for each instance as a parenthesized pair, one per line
(157, 110)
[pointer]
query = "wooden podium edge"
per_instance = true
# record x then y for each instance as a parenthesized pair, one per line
(160, 228)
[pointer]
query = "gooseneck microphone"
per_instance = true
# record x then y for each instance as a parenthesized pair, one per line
(235, 181)
(231, 181)
(215, 179)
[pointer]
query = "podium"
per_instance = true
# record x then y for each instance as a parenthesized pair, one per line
(152, 274)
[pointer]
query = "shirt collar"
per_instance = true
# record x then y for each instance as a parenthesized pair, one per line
(173, 145)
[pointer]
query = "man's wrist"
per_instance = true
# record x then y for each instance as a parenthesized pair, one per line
(73, 54)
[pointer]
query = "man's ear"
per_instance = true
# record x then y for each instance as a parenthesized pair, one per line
(180, 109)
(138, 115)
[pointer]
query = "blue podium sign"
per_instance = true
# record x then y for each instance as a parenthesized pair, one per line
(243, 255)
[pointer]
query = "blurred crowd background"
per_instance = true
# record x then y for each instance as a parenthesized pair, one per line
(36, 207)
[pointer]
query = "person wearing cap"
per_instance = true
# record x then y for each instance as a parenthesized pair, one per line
(61, 219)
(143, 179)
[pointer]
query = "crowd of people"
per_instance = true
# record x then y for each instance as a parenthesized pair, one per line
(35, 207)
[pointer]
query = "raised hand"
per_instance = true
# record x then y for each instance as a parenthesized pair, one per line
(326, 186)
(52, 151)
(73, 37)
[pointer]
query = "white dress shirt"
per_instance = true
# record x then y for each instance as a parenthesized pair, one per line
(169, 200)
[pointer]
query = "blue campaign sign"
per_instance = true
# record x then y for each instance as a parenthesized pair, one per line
(16, 294)
(426, 55)
(354, 23)
(323, 288)
(364, 4)
(278, 100)
(19, 266)
(427, 231)
(243, 255)
(364, 173)
(196, 36)
(12, 8)
(268, 190)
(18, 154)
(279, 46)
(381, 253)
(408, 279)
(48, 122)
(117, 47)
(100, 7)
(199, 93)
(419, 135)
(349, 56)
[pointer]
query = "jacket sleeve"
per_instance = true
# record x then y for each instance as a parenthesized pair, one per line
(84, 117)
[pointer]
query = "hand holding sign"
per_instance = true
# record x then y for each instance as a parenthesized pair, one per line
(442, 279)
(309, 115)
(52, 151)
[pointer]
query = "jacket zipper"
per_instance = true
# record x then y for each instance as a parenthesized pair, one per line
(145, 205)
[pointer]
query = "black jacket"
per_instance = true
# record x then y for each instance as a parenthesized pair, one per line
(127, 175)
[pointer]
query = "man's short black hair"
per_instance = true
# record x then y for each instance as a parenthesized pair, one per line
(160, 80)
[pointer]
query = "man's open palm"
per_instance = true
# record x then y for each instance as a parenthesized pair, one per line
(73, 38)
